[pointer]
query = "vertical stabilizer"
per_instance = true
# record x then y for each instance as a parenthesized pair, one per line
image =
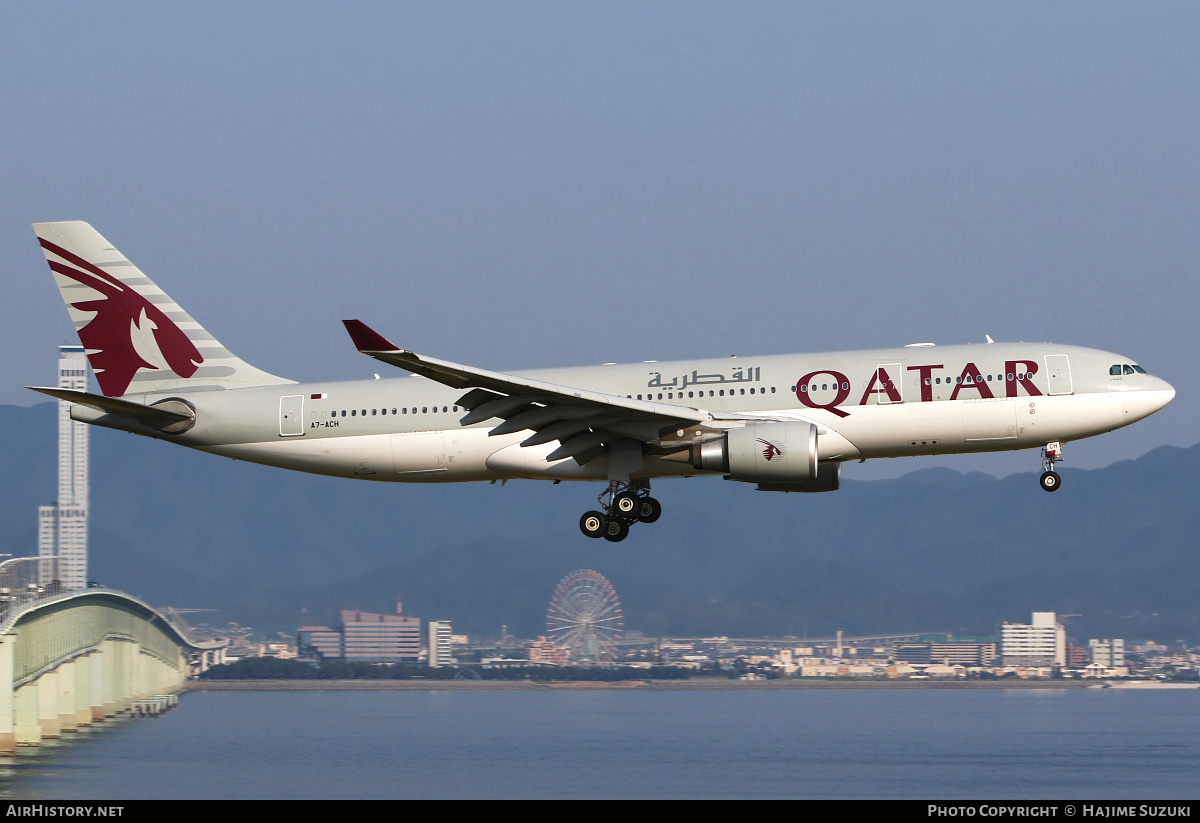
(137, 338)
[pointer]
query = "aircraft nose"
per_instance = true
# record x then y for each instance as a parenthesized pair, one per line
(1170, 390)
(1164, 392)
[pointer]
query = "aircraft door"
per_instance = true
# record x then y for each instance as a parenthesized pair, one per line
(889, 383)
(1058, 374)
(291, 415)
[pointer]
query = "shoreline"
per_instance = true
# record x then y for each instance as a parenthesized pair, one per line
(655, 685)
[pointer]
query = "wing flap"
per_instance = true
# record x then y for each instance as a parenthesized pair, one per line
(576, 446)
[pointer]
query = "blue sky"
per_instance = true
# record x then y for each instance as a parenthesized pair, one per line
(536, 184)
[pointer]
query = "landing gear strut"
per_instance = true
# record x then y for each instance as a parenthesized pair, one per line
(1051, 454)
(627, 503)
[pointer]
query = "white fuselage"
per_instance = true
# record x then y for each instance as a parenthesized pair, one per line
(889, 403)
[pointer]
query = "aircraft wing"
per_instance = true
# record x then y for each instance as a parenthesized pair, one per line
(581, 421)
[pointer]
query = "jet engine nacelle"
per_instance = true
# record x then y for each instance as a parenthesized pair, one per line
(768, 453)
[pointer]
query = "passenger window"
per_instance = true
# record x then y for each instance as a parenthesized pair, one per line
(404, 410)
(374, 412)
(927, 381)
(424, 410)
(354, 412)
(1010, 377)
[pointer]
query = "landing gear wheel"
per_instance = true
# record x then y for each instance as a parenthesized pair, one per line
(1050, 481)
(616, 530)
(648, 510)
(593, 524)
(625, 504)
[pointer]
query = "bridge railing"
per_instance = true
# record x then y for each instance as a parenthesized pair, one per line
(27, 582)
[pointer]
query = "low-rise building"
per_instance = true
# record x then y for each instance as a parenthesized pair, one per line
(440, 648)
(1109, 653)
(1040, 643)
(946, 653)
(547, 651)
(369, 637)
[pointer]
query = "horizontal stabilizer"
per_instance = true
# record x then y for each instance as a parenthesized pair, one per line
(154, 416)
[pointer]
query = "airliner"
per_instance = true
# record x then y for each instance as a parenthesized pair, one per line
(785, 423)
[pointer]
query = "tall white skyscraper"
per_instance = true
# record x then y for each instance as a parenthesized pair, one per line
(63, 527)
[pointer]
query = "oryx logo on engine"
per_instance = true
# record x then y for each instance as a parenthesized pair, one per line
(771, 451)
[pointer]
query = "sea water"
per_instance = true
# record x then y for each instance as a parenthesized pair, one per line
(631, 743)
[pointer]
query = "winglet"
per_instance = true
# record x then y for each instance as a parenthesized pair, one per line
(366, 339)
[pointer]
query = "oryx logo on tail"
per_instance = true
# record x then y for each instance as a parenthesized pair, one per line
(126, 328)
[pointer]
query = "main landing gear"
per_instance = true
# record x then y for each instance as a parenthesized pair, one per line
(1051, 454)
(627, 504)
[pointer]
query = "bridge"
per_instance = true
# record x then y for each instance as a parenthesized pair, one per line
(76, 658)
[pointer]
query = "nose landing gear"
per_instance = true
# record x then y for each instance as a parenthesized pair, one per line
(627, 504)
(1051, 454)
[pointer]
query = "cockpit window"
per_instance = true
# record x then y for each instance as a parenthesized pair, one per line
(1129, 370)
(1115, 370)
(1138, 369)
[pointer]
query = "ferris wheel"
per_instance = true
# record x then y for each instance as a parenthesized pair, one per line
(585, 616)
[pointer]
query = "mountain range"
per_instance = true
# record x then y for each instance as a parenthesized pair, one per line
(933, 551)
